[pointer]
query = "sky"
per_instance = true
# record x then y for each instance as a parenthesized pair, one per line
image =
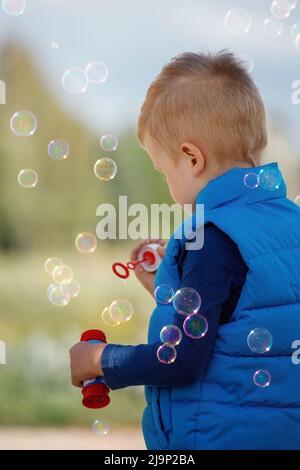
(136, 38)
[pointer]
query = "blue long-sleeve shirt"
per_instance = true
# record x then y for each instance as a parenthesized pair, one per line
(218, 273)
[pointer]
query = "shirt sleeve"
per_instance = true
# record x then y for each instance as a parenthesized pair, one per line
(214, 271)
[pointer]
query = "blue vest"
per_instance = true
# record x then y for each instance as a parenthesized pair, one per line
(224, 409)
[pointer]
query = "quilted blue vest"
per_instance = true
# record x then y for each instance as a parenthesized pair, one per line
(224, 409)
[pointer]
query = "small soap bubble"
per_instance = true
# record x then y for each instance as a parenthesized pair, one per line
(52, 263)
(238, 21)
(195, 326)
(14, 7)
(273, 27)
(62, 274)
(171, 334)
(86, 242)
(109, 142)
(166, 353)
(74, 80)
(70, 288)
(260, 340)
(105, 169)
(262, 378)
(28, 178)
(297, 200)
(23, 123)
(270, 179)
(100, 427)
(281, 9)
(186, 301)
(58, 149)
(107, 319)
(96, 72)
(121, 310)
(251, 180)
(57, 297)
(54, 45)
(163, 294)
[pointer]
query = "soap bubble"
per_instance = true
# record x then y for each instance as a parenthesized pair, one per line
(238, 21)
(70, 288)
(171, 334)
(273, 27)
(107, 319)
(100, 427)
(86, 242)
(105, 169)
(28, 178)
(14, 7)
(52, 263)
(96, 72)
(62, 274)
(109, 142)
(186, 301)
(270, 179)
(297, 200)
(262, 378)
(166, 353)
(57, 297)
(281, 9)
(251, 180)
(58, 149)
(23, 123)
(163, 294)
(54, 45)
(74, 80)
(260, 340)
(121, 310)
(195, 326)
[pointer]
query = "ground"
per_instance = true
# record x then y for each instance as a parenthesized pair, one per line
(69, 439)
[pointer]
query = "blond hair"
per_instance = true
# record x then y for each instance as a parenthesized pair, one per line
(205, 98)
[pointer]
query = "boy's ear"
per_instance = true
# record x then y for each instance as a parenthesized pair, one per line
(195, 156)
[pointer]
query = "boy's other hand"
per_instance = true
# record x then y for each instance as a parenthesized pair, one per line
(85, 361)
(146, 278)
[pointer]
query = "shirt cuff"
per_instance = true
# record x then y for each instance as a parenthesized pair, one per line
(114, 357)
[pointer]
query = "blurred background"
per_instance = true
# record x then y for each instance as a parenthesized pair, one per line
(38, 406)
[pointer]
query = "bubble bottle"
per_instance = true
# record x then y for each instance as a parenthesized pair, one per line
(148, 259)
(95, 391)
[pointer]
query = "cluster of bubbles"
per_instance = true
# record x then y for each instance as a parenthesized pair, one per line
(260, 341)
(76, 80)
(238, 21)
(105, 169)
(268, 179)
(24, 124)
(14, 7)
(187, 302)
(86, 242)
(119, 311)
(65, 286)
(100, 427)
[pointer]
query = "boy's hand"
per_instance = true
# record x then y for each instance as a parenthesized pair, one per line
(85, 361)
(146, 278)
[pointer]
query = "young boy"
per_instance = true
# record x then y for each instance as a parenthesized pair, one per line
(203, 126)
